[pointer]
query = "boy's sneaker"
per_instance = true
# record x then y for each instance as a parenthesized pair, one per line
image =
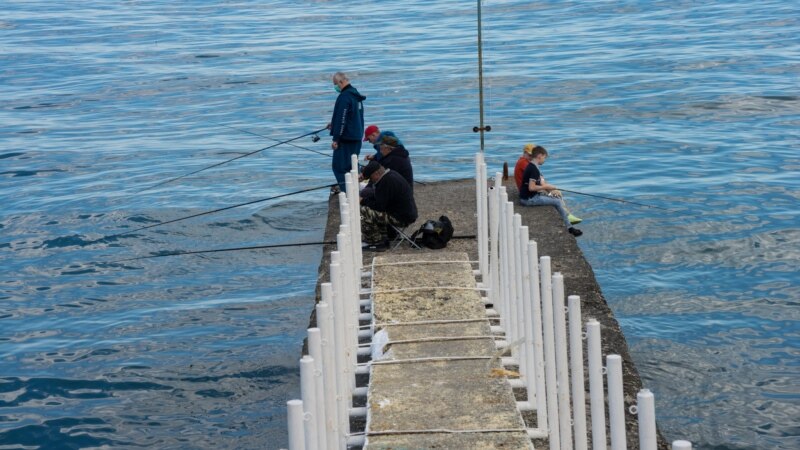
(574, 220)
(574, 231)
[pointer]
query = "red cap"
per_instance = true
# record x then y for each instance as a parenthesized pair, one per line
(370, 129)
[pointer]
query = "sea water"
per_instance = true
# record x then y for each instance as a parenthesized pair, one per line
(689, 106)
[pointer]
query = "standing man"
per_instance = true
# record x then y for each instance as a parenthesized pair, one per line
(347, 127)
(538, 192)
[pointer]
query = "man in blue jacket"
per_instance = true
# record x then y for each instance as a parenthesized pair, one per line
(347, 127)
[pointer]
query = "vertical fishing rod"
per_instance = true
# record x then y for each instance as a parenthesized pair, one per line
(480, 80)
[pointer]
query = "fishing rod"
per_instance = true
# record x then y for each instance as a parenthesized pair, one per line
(252, 247)
(219, 250)
(615, 199)
(293, 145)
(214, 211)
(233, 159)
(315, 138)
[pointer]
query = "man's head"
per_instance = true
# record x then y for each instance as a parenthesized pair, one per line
(373, 171)
(538, 155)
(527, 150)
(388, 143)
(340, 81)
(371, 134)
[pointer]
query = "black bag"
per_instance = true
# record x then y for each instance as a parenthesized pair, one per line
(434, 233)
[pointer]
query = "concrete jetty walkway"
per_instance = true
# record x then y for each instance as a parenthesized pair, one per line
(435, 386)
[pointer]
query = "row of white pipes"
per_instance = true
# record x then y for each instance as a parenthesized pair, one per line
(321, 418)
(545, 336)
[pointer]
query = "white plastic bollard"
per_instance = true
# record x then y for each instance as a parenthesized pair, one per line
(596, 392)
(502, 308)
(616, 402)
(308, 392)
(646, 411)
(325, 322)
(315, 351)
(545, 278)
(529, 369)
(344, 373)
(576, 370)
(681, 445)
(513, 271)
(562, 364)
(295, 419)
(494, 260)
(538, 342)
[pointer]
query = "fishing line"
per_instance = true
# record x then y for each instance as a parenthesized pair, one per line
(232, 159)
(215, 210)
(253, 247)
(273, 139)
(293, 145)
(616, 200)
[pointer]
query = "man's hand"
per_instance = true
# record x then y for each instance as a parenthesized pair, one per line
(369, 157)
(328, 126)
(334, 145)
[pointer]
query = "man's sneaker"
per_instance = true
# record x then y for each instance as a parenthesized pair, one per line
(378, 247)
(574, 220)
(574, 231)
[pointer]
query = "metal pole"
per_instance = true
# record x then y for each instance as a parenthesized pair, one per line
(480, 72)
(596, 393)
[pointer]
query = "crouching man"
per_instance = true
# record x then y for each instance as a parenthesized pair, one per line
(392, 203)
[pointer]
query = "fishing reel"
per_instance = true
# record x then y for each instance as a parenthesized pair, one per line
(315, 138)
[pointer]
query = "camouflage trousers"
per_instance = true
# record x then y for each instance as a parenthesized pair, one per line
(374, 225)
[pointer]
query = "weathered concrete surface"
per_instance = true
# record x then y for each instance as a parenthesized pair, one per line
(458, 394)
(456, 199)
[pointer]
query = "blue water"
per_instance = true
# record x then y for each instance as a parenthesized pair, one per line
(692, 106)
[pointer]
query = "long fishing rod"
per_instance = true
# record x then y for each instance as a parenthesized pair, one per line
(232, 159)
(214, 211)
(615, 199)
(293, 145)
(252, 247)
(315, 139)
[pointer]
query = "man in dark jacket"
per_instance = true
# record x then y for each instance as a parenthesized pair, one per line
(394, 156)
(392, 204)
(347, 127)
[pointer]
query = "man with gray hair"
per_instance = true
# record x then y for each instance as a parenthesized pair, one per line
(347, 127)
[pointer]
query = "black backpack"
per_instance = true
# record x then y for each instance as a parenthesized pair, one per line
(434, 233)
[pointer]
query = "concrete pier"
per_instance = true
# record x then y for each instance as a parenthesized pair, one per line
(427, 396)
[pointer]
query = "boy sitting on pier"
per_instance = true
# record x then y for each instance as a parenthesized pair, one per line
(535, 191)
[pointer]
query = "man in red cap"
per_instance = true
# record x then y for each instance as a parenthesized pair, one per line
(374, 135)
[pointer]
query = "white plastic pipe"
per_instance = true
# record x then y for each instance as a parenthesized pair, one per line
(596, 392)
(315, 351)
(295, 419)
(562, 364)
(309, 395)
(576, 370)
(518, 318)
(646, 411)
(514, 221)
(485, 222)
(502, 308)
(538, 342)
(616, 402)
(494, 223)
(479, 210)
(512, 330)
(344, 373)
(529, 370)
(349, 295)
(545, 278)
(325, 322)
(681, 445)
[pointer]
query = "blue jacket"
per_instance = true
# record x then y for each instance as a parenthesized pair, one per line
(347, 122)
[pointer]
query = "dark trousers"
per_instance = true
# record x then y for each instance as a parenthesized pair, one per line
(341, 159)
